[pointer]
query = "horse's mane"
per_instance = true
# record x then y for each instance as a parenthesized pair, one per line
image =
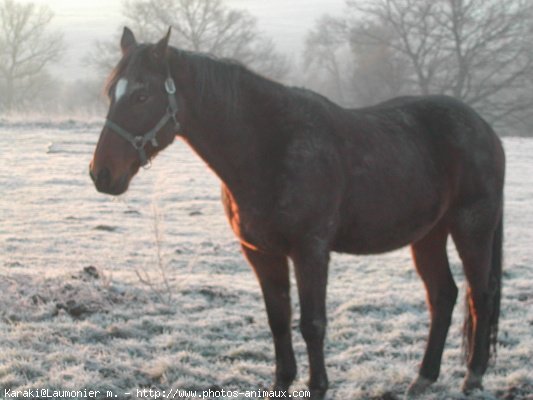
(217, 79)
(227, 82)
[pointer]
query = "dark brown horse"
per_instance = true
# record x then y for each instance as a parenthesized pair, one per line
(302, 177)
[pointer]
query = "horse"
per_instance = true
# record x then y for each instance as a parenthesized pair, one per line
(302, 177)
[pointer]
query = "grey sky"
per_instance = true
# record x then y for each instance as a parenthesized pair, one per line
(83, 22)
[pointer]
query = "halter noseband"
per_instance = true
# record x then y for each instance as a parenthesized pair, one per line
(140, 141)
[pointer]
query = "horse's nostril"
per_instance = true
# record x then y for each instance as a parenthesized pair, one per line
(103, 181)
(104, 178)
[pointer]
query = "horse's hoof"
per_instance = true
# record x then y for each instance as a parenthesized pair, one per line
(418, 387)
(279, 388)
(472, 382)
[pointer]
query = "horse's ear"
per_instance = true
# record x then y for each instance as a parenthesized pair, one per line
(160, 49)
(128, 40)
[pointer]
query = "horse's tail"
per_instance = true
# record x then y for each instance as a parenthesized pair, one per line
(495, 290)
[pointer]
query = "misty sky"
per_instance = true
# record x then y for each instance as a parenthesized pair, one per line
(83, 22)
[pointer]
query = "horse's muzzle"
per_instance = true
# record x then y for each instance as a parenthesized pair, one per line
(105, 184)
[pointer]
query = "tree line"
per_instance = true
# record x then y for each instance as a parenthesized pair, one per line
(476, 50)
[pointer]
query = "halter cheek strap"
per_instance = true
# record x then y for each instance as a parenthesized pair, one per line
(139, 141)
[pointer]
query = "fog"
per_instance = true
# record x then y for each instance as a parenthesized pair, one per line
(150, 289)
(83, 23)
(356, 53)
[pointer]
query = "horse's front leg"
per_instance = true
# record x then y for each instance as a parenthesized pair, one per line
(311, 269)
(273, 274)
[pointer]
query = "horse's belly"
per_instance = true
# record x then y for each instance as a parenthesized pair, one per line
(359, 241)
(389, 230)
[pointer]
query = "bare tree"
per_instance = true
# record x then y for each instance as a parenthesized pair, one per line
(414, 34)
(207, 26)
(379, 73)
(104, 55)
(26, 49)
(326, 49)
(476, 50)
(358, 73)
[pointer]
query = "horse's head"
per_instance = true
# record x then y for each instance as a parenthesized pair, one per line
(142, 116)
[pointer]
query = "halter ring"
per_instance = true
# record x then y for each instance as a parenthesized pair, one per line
(170, 87)
(138, 142)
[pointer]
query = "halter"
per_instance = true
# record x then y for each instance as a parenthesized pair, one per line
(139, 141)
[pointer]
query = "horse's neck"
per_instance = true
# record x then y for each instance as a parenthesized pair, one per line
(233, 146)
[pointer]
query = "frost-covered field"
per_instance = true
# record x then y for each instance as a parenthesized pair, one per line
(88, 301)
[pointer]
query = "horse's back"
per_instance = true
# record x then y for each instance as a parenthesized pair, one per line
(450, 132)
(410, 161)
(472, 151)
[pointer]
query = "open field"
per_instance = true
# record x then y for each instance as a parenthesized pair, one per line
(150, 290)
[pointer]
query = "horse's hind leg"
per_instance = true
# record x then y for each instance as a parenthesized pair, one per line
(431, 262)
(273, 274)
(477, 235)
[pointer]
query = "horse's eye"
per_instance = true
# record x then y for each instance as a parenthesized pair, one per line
(141, 98)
